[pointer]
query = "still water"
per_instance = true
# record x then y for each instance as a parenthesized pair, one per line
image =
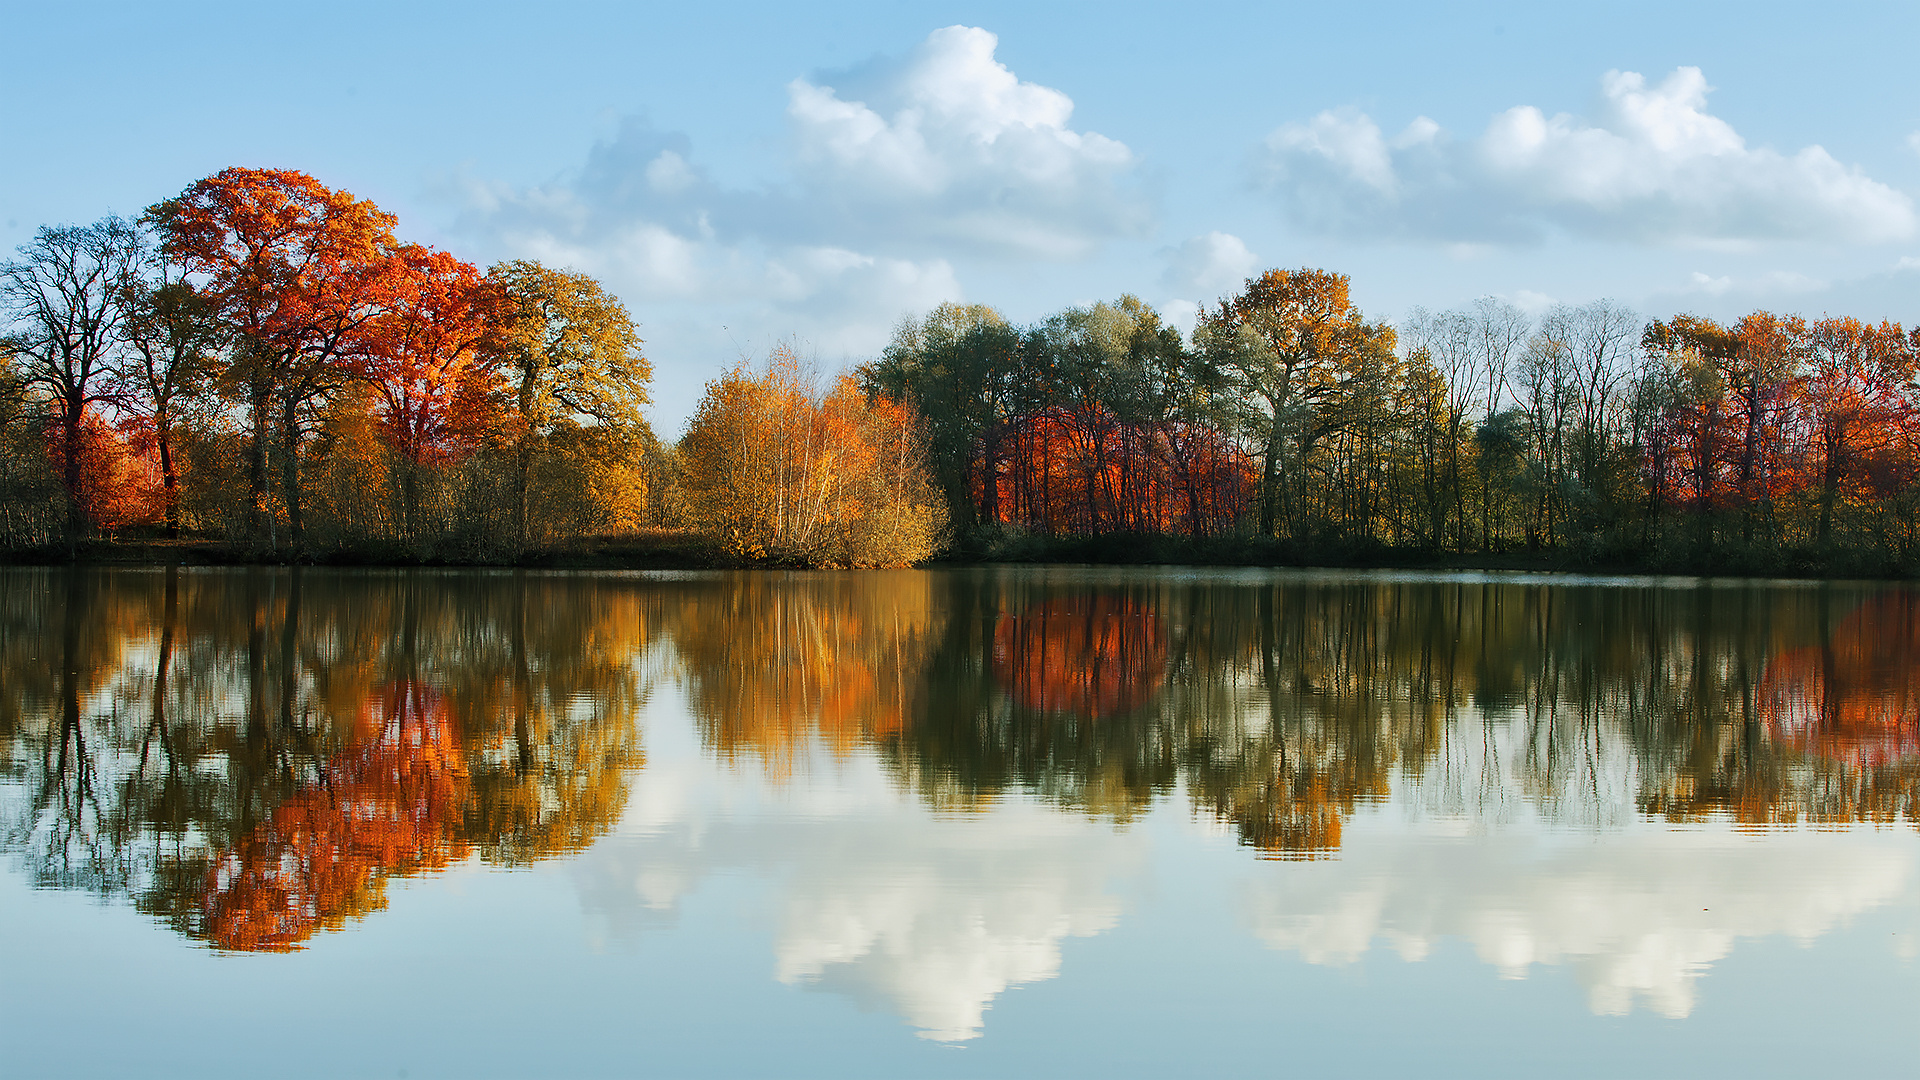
(1052, 821)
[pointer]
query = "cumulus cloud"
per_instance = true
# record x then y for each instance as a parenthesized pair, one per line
(1886, 293)
(1209, 263)
(1655, 167)
(951, 146)
(897, 170)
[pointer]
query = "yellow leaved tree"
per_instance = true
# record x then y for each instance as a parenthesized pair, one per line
(775, 469)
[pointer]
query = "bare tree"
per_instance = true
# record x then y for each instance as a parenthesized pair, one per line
(1601, 340)
(1474, 349)
(58, 303)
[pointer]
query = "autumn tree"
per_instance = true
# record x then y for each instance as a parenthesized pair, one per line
(959, 367)
(294, 269)
(1853, 408)
(570, 356)
(173, 341)
(1282, 341)
(62, 325)
(774, 468)
(424, 356)
(1689, 445)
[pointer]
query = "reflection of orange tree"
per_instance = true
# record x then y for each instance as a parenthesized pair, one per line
(387, 805)
(772, 662)
(1855, 699)
(1090, 656)
(256, 826)
(1050, 688)
(1289, 798)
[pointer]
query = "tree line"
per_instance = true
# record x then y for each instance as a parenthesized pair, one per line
(1290, 426)
(262, 362)
(259, 360)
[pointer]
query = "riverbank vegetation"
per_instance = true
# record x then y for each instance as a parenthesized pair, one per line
(261, 369)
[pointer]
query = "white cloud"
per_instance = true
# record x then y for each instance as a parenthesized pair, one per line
(1209, 263)
(1774, 283)
(951, 146)
(1529, 301)
(942, 155)
(1712, 286)
(1655, 168)
(1182, 315)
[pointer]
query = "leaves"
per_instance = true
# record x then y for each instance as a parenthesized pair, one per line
(774, 469)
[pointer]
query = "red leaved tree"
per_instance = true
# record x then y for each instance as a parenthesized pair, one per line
(295, 269)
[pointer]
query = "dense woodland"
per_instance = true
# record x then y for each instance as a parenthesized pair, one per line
(260, 364)
(1291, 428)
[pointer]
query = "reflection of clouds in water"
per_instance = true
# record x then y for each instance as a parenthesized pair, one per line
(938, 918)
(930, 916)
(1638, 914)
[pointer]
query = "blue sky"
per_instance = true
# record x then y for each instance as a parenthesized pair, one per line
(747, 173)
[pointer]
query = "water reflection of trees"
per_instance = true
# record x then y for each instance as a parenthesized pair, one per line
(1281, 704)
(253, 754)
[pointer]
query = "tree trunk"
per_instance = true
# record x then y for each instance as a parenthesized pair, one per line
(260, 515)
(70, 417)
(1270, 480)
(170, 482)
(290, 472)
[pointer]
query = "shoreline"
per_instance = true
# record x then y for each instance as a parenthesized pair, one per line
(672, 550)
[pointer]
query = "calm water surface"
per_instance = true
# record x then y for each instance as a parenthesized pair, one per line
(973, 822)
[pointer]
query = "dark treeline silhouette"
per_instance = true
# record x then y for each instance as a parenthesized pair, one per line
(250, 755)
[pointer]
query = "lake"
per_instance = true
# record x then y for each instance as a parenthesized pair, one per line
(956, 822)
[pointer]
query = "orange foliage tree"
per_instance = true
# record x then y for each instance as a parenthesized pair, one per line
(422, 354)
(295, 270)
(1780, 422)
(434, 383)
(1855, 419)
(775, 469)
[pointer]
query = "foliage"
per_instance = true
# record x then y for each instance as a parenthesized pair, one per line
(773, 468)
(262, 362)
(259, 360)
